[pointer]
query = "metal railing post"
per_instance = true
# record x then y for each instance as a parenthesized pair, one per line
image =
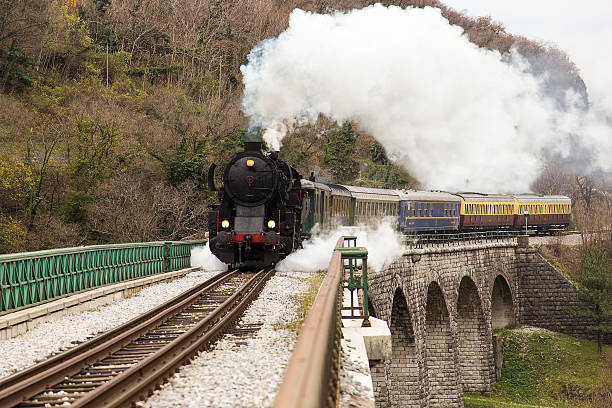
(364, 285)
(167, 256)
(352, 255)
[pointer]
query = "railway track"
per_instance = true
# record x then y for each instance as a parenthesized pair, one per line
(127, 363)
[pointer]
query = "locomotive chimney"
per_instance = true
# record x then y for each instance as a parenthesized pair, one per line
(253, 140)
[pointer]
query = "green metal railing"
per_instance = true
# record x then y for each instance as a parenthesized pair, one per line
(355, 259)
(460, 239)
(28, 278)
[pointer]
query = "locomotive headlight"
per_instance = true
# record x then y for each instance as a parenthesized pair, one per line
(225, 224)
(250, 163)
(271, 224)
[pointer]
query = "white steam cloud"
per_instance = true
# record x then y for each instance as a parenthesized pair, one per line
(383, 243)
(457, 116)
(202, 257)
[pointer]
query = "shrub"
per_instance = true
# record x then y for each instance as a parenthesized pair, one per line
(12, 235)
(16, 180)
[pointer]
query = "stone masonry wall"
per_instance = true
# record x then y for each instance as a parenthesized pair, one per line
(473, 339)
(545, 296)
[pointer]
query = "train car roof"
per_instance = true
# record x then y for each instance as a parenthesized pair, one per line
(539, 198)
(426, 195)
(369, 193)
(337, 189)
(314, 185)
(470, 197)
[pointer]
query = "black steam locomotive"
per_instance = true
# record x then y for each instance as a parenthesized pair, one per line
(258, 222)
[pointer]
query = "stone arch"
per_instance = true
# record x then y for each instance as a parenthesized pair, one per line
(402, 370)
(474, 340)
(440, 351)
(371, 308)
(502, 305)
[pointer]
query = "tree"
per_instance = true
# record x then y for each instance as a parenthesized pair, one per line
(594, 294)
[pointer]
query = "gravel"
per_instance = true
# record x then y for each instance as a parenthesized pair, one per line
(570, 240)
(240, 372)
(52, 337)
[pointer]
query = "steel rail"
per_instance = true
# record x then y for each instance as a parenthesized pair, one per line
(311, 380)
(140, 380)
(28, 383)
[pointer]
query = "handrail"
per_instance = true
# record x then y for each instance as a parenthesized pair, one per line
(311, 380)
(30, 278)
(88, 248)
(459, 239)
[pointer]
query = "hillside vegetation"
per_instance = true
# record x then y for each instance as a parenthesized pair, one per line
(547, 369)
(112, 111)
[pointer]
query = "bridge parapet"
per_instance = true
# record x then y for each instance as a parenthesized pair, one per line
(467, 246)
(461, 239)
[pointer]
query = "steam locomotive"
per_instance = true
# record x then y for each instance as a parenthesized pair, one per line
(258, 222)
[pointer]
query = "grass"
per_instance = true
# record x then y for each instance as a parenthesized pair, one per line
(546, 369)
(304, 302)
(565, 259)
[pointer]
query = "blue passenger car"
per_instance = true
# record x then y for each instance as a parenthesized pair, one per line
(428, 211)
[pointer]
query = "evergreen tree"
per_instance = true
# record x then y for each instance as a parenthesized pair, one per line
(594, 295)
(339, 152)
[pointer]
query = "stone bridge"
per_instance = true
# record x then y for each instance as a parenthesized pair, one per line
(442, 304)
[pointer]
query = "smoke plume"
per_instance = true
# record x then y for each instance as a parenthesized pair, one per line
(383, 244)
(202, 257)
(457, 116)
